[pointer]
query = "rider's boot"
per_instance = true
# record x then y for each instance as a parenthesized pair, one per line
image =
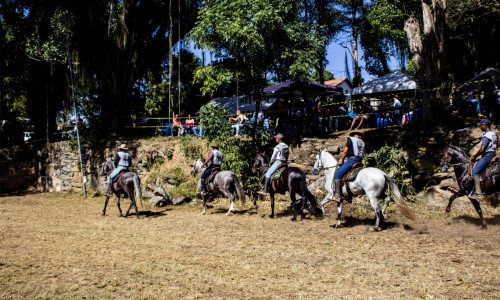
(477, 188)
(203, 189)
(108, 190)
(336, 192)
(265, 187)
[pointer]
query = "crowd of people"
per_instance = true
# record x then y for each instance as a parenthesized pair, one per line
(481, 101)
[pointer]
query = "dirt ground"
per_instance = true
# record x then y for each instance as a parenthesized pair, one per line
(58, 246)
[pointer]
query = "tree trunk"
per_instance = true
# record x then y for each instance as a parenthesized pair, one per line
(428, 52)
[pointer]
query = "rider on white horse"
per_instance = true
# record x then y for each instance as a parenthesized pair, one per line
(354, 150)
(279, 157)
(123, 160)
(215, 158)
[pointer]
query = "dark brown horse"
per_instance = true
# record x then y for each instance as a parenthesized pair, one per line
(459, 159)
(127, 184)
(291, 180)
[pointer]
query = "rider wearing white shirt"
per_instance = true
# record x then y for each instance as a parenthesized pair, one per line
(279, 157)
(123, 160)
(215, 159)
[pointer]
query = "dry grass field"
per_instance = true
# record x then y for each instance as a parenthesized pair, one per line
(58, 246)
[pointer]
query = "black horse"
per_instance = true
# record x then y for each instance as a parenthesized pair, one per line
(127, 184)
(291, 180)
(459, 159)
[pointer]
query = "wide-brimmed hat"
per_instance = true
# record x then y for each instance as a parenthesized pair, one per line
(361, 134)
(279, 136)
(123, 147)
(485, 122)
(214, 145)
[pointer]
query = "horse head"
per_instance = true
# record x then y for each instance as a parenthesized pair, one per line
(324, 160)
(260, 163)
(196, 167)
(107, 167)
(452, 154)
(317, 164)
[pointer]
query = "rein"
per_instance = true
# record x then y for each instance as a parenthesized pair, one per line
(321, 166)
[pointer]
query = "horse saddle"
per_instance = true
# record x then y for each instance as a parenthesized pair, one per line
(119, 175)
(276, 175)
(492, 169)
(350, 176)
(353, 172)
(211, 176)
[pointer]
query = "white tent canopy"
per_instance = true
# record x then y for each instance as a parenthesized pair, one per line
(243, 103)
(392, 82)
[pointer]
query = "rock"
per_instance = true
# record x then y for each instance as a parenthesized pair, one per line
(178, 200)
(159, 201)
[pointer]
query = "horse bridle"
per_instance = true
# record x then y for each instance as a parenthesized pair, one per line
(320, 163)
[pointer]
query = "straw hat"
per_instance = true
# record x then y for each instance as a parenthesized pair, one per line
(123, 147)
(215, 145)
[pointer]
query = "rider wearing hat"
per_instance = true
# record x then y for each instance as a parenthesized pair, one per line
(215, 158)
(123, 161)
(279, 157)
(354, 150)
(487, 150)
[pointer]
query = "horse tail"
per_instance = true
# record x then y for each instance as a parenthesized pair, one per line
(305, 191)
(407, 212)
(137, 189)
(239, 190)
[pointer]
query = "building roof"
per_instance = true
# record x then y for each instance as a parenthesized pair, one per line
(335, 82)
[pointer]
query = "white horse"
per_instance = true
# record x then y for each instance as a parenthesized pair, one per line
(370, 181)
(225, 182)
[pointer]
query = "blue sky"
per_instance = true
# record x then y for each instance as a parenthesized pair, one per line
(336, 61)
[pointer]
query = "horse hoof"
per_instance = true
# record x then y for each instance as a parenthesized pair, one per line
(271, 216)
(484, 226)
(293, 219)
(337, 226)
(374, 229)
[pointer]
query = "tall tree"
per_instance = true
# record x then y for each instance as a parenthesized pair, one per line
(264, 37)
(428, 49)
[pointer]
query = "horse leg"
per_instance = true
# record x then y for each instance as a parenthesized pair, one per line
(378, 213)
(477, 206)
(132, 204)
(118, 205)
(339, 215)
(105, 205)
(325, 201)
(294, 208)
(271, 197)
(450, 201)
(255, 196)
(205, 199)
(387, 199)
(231, 201)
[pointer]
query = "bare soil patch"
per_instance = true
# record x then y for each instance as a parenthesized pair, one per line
(58, 246)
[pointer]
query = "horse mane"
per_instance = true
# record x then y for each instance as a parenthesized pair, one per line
(460, 150)
(330, 153)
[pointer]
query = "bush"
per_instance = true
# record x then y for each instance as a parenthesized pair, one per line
(392, 161)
